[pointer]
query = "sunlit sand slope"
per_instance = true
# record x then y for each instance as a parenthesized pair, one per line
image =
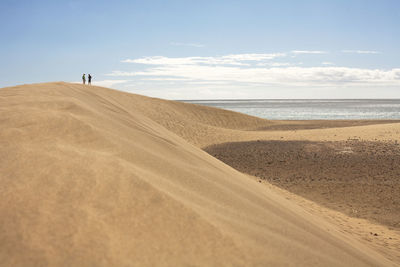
(86, 179)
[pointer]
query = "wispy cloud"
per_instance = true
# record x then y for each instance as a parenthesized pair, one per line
(327, 63)
(276, 64)
(361, 51)
(308, 52)
(187, 44)
(233, 59)
(285, 76)
(245, 68)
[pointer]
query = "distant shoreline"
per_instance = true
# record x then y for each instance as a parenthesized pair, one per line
(310, 109)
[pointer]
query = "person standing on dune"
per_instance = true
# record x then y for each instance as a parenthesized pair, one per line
(89, 79)
(84, 79)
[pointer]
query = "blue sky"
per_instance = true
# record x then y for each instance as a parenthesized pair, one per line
(207, 49)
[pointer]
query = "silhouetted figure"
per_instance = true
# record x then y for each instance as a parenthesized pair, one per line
(90, 79)
(84, 79)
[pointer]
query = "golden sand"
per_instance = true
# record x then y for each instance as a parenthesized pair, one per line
(95, 177)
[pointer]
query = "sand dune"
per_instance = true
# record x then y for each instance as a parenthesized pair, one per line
(95, 177)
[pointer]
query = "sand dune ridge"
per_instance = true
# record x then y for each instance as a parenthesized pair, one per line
(90, 177)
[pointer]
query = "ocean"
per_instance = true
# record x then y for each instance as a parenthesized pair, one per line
(311, 109)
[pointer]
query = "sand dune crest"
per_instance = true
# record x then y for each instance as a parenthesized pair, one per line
(90, 176)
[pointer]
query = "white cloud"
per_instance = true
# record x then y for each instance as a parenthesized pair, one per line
(275, 64)
(251, 74)
(361, 51)
(166, 79)
(308, 52)
(187, 44)
(253, 57)
(295, 76)
(233, 59)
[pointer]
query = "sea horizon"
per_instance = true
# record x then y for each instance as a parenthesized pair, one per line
(311, 109)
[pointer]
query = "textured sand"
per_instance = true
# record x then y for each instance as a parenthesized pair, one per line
(95, 177)
(359, 178)
(356, 178)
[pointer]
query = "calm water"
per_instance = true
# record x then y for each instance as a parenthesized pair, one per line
(311, 109)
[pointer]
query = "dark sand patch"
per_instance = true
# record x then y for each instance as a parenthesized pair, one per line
(293, 125)
(358, 178)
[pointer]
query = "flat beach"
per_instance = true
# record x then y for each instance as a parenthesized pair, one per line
(91, 176)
